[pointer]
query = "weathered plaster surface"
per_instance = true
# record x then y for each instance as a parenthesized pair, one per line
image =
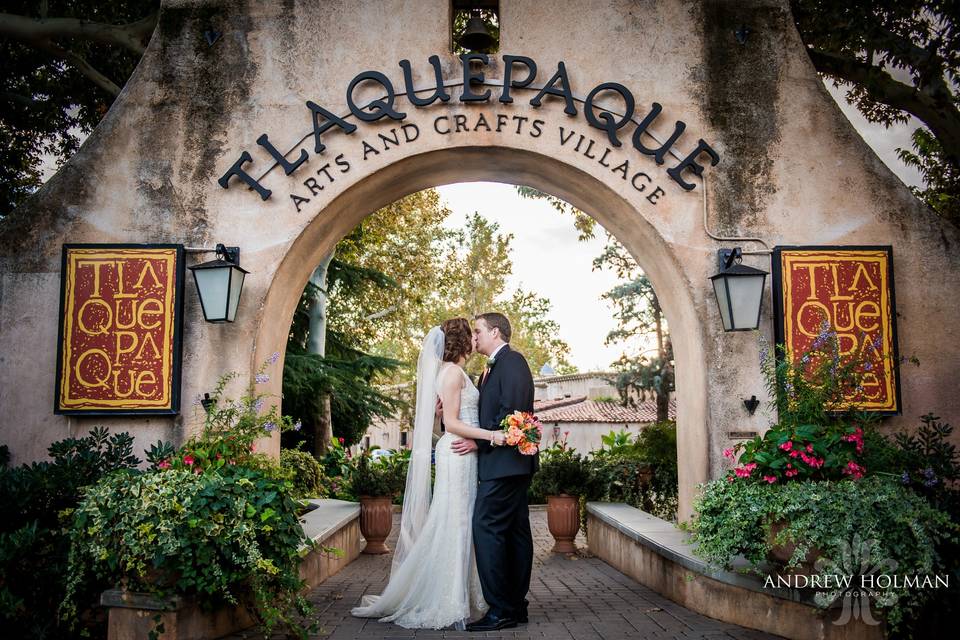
(793, 172)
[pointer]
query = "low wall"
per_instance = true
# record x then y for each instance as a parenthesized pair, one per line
(658, 555)
(334, 523)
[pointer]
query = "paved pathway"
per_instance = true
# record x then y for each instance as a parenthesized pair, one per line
(572, 597)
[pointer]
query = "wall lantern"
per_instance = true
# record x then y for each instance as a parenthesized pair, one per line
(739, 291)
(219, 283)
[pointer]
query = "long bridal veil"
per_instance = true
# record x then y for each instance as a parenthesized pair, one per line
(416, 497)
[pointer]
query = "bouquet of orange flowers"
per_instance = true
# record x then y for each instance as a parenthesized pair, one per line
(523, 431)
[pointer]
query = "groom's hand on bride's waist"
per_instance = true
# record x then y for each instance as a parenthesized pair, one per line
(463, 446)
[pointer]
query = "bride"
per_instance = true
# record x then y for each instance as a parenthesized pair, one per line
(433, 579)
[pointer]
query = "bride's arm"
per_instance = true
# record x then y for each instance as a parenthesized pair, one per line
(450, 387)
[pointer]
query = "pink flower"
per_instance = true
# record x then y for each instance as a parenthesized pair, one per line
(188, 460)
(786, 446)
(855, 470)
(730, 478)
(789, 466)
(770, 479)
(728, 453)
(809, 448)
(197, 471)
(745, 470)
(163, 464)
(792, 472)
(794, 453)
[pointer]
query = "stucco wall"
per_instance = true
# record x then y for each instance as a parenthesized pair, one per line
(793, 171)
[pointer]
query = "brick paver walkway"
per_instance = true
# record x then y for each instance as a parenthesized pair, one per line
(572, 597)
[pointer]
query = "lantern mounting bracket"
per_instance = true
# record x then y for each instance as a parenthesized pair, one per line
(727, 257)
(230, 254)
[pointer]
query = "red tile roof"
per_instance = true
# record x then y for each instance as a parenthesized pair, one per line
(583, 410)
(543, 405)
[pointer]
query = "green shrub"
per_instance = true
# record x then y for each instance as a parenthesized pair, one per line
(306, 474)
(376, 478)
(563, 471)
(640, 471)
(230, 536)
(38, 503)
(734, 518)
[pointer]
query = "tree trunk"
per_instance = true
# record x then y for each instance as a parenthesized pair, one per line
(663, 389)
(317, 343)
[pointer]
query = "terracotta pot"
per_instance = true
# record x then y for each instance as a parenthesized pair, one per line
(780, 554)
(376, 520)
(563, 518)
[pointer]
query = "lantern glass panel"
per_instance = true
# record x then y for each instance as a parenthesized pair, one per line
(720, 289)
(213, 285)
(746, 293)
(236, 285)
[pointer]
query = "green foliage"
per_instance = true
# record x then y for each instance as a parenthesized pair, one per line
(640, 471)
(38, 500)
(376, 478)
(57, 88)
(818, 435)
(735, 518)
(304, 472)
(941, 176)
(348, 379)
(230, 429)
(229, 536)
(897, 58)
(562, 471)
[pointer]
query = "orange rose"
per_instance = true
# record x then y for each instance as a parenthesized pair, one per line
(528, 448)
(514, 435)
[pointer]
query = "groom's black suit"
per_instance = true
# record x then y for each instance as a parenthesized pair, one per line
(501, 519)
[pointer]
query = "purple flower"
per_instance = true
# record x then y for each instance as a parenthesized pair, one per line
(269, 426)
(297, 426)
(274, 357)
(262, 378)
(868, 366)
(257, 405)
(905, 478)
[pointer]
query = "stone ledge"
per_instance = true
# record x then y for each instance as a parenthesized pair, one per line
(660, 556)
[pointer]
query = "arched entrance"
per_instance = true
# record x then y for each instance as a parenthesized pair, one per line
(502, 164)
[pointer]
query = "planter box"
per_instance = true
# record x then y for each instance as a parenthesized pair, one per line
(334, 523)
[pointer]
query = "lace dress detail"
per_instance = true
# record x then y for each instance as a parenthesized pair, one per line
(437, 585)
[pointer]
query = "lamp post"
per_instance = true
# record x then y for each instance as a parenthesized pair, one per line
(219, 283)
(739, 291)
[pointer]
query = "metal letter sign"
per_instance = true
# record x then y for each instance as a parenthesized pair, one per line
(121, 314)
(852, 289)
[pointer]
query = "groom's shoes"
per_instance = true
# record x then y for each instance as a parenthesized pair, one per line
(491, 622)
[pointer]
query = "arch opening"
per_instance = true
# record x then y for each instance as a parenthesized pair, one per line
(517, 167)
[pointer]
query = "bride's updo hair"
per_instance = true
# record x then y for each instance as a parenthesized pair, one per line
(457, 339)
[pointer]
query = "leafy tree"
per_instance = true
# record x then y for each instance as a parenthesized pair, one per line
(63, 65)
(637, 309)
(639, 315)
(473, 279)
(374, 321)
(897, 58)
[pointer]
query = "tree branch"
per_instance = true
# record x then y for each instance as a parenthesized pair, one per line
(940, 115)
(131, 36)
(82, 66)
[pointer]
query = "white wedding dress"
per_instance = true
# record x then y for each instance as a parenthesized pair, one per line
(437, 584)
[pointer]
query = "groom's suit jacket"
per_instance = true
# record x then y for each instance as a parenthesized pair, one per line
(508, 387)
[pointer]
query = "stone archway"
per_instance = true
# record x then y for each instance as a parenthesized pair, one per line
(502, 164)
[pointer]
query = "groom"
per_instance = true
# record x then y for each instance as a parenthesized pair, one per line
(501, 519)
